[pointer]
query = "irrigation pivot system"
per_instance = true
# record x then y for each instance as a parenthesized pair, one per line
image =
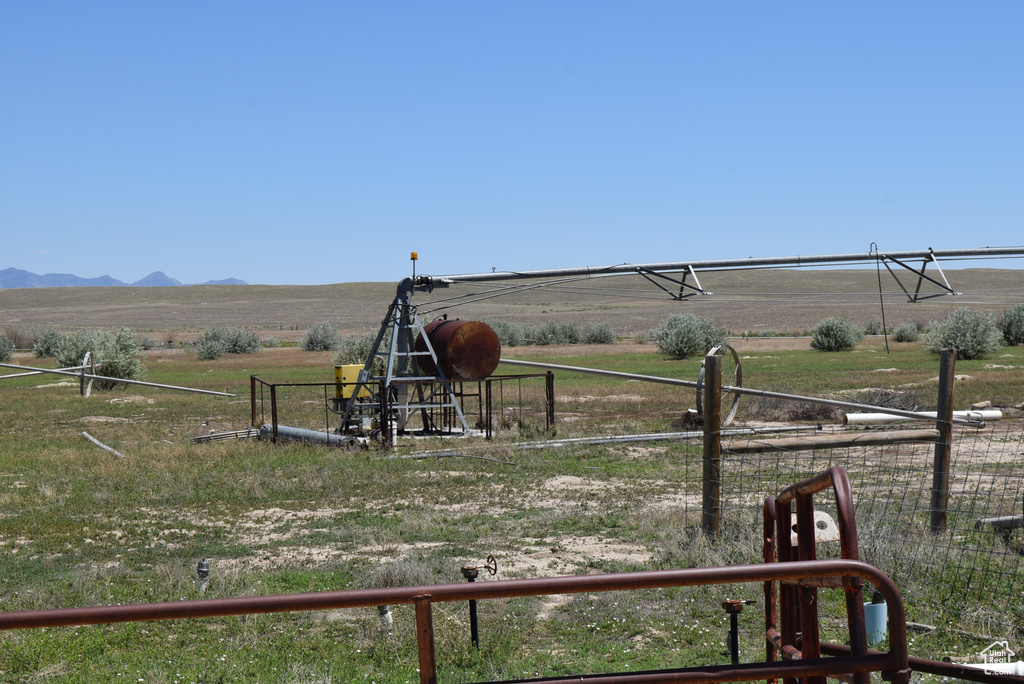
(679, 280)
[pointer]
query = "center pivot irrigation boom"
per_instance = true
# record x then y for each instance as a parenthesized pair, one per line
(411, 367)
(659, 273)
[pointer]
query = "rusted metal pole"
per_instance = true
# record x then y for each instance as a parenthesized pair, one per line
(712, 496)
(252, 400)
(549, 389)
(273, 410)
(943, 447)
(425, 639)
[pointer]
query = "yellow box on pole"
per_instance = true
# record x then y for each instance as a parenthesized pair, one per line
(345, 379)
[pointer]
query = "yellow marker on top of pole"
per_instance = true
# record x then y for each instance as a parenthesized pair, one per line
(414, 256)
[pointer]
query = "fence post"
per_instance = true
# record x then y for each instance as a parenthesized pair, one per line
(943, 447)
(273, 411)
(712, 499)
(549, 395)
(425, 639)
(252, 401)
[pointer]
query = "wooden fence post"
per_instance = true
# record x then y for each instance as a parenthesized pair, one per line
(943, 447)
(712, 497)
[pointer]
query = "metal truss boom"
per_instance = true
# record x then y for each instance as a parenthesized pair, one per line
(656, 272)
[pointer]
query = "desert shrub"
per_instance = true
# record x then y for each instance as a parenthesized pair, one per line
(47, 343)
(270, 342)
(210, 348)
(6, 349)
(873, 328)
(214, 343)
(686, 335)
(905, 332)
(116, 354)
(835, 334)
(321, 336)
(357, 348)
(598, 333)
(19, 338)
(509, 334)
(148, 342)
(555, 332)
(971, 332)
(1011, 323)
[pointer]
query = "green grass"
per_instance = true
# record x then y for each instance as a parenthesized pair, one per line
(79, 526)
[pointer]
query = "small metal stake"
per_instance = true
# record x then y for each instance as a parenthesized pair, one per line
(471, 572)
(732, 608)
(203, 574)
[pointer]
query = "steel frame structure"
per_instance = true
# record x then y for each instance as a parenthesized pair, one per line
(400, 374)
(657, 273)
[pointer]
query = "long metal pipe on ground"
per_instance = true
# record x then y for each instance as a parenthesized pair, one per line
(303, 435)
(875, 418)
(912, 415)
(125, 381)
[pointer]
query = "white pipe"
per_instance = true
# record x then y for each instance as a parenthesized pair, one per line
(872, 418)
(1016, 668)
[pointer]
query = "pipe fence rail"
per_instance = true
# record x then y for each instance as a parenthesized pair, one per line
(893, 662)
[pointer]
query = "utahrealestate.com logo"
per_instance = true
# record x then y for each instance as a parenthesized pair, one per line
(998, 653)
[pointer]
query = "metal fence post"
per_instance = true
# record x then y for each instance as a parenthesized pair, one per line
(252, 401)
(425, 638)
(273, 410)
(549, 395)
(943, 447)
(712, 496)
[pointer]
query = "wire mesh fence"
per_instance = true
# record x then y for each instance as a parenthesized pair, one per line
(971, 574)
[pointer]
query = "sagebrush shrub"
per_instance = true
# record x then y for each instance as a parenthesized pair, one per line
(905, 332)
(210, 348)
(509, 334)
(971, 332)
(214, 343)
(686, 335)
(834, 334)
(321, 336)
(599, 333)
(555, 332)
(47, 343)
(1011, 324)
(357, 348)
(116, 354)
(6, 349)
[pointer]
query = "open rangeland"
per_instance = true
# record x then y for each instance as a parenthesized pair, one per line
(82, 526)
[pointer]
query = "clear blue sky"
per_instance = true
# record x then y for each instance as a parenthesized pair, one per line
(320, 142)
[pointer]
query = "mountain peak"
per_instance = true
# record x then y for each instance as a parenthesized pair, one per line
(156, 279)
(14, 278)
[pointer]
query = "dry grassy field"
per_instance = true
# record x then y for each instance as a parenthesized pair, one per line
(754, 301)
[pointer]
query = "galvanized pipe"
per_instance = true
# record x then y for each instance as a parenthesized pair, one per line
(913, 415)
(126, 381)
(726, 264)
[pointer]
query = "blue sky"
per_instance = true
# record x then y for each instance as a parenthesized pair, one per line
(321, 142)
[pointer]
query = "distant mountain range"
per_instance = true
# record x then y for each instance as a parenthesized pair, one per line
(12, 278)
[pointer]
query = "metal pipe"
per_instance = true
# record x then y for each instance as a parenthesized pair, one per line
(874, 418)
(728, 388)
(470, 572)
(34, 372)
(893, 662)
(725, 264)
(124, 380)
(303, 435)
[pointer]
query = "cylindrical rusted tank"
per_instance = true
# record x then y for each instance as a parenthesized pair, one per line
(466, 350)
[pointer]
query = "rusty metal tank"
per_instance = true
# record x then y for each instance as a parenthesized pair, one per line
(466, 350)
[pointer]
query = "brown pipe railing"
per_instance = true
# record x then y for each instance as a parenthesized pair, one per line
(893, 663)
